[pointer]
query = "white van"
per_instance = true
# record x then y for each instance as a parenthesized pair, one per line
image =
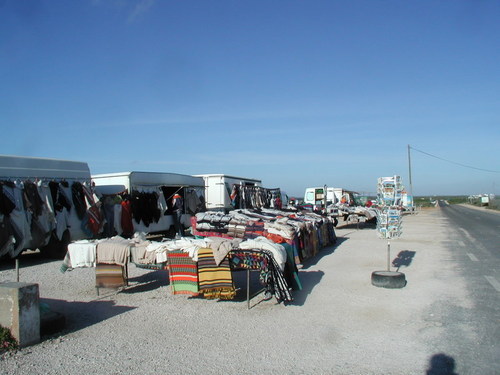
(316, 196)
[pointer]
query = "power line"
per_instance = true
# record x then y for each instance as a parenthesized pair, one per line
(453, 162)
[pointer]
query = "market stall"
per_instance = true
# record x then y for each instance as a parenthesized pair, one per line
(196, 267)
(44, 204)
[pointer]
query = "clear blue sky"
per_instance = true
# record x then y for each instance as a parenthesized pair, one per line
(295, 93)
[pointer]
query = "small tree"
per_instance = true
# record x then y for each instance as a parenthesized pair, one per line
(7, 341)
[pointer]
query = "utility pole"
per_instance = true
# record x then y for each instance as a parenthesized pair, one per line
(325, 197)
(409, 173)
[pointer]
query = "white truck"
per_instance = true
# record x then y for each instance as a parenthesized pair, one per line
(163, 186)
(218, 189)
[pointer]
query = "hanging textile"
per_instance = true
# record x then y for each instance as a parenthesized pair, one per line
(271, 276)
(126, 217)
(110, 276)
(214, 281)
(32, 200)
(182, 273)
(78, 197)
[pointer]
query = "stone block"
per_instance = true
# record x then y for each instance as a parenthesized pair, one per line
(20, 311)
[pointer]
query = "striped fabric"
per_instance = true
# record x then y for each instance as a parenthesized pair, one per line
(215, 281)
(182, 273)
(110, 276)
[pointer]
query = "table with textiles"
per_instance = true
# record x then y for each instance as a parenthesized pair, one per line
(111, 257)
(211, 279)
(270, 276)
(196, 267)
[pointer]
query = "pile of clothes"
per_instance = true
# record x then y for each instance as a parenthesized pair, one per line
(305, 232)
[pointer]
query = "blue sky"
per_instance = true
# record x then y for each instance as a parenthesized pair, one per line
(295, 93)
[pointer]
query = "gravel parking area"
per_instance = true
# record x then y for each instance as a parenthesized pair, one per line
(338, 324)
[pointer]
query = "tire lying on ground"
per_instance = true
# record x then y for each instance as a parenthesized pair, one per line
(388, 279)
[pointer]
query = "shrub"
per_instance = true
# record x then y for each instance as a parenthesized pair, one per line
(7, 341)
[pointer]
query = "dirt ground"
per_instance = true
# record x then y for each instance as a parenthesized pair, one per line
(339, 323)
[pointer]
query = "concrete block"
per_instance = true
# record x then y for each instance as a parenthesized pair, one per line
(20, 311)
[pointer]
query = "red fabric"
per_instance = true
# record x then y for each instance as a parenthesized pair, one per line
(95, 221)
(126, 219)
(276, 238)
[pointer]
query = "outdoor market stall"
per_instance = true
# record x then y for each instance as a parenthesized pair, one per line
(197, 267)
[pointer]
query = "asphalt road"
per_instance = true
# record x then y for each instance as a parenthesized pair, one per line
(475, 244)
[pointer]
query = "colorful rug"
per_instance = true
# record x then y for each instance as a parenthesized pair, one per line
(110, 276)
(182, 273)
(215, 281)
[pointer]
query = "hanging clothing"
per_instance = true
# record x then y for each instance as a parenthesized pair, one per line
(32, 200)
(126, 218)
(78, 198)
(19, 221)
(59, 197)
(7, 200)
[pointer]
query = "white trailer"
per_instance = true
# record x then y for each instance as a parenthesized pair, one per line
(164, 184)
(45, 229)
(218, 189)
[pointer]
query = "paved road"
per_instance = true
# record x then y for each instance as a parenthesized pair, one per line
(475, 241)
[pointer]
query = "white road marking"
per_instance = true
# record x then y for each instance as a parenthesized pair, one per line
(469, 237)
(494, 283)
(461, 243)
(472, 257)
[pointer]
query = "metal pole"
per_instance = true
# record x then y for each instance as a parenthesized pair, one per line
(248, 288)
(409, 174)
(388, 255)
(324, 197)
(17, 269)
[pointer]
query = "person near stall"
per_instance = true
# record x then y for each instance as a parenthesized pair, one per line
(277, 203)
(177, 207)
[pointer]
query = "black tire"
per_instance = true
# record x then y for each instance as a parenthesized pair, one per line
(388, 279)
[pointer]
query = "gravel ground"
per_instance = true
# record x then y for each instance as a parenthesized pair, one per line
(338, 324)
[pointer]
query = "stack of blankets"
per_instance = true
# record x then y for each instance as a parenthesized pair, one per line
(305, 232)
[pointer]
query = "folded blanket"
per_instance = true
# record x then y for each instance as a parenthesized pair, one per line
(82, 253)
(115, 250)
(262, 243)
(221, 246)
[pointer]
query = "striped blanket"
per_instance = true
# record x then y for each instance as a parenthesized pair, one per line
(110, 276)
(215, 281)
(182, 273)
